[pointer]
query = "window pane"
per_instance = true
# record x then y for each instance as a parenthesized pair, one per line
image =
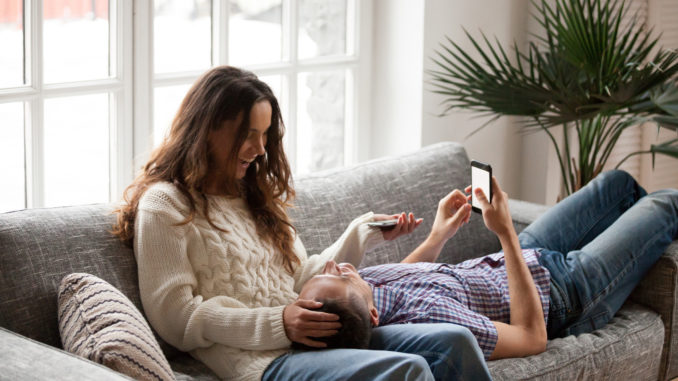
(182, 35)
(12, 37)
(321, 120)
(76, 40)
(322, 28)
(76, 156)
(13, 190)
(255, 28)
(275, 83)
(166, 102)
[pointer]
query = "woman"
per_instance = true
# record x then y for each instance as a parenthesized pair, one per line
(219, 261)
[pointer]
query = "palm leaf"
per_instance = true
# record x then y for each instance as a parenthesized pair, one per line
(588, 68)
(668, 148)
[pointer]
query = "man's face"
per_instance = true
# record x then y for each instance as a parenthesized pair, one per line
(339, 281)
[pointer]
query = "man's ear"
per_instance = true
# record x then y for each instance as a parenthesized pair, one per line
(374, 316)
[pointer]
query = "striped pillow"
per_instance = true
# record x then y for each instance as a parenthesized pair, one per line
(98, 322)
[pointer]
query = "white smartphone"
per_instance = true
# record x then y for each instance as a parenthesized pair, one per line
(481, 175)
(383, 224)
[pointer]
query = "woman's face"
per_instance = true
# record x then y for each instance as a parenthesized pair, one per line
(221, 140)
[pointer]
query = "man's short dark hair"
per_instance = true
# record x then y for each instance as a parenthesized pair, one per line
(356, 326)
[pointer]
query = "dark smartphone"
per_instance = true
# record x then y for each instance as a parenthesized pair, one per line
(383, 224)
(481, 175)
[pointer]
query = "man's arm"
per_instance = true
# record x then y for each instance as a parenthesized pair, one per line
(453, 212)
(526, 333)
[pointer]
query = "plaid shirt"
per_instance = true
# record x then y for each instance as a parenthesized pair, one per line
(471, 294)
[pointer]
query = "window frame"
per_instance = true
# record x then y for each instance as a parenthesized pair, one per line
(131, 84)
(35, 92)
(357, 67)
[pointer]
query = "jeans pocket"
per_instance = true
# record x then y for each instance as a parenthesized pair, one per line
(560, 303)
(589, 323)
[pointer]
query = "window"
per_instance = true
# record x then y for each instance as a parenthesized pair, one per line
(63, 91)
(76, 127)
(306, 50)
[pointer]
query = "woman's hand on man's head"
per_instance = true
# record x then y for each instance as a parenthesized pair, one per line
(302, 324)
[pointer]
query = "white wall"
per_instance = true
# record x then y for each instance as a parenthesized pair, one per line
(498, 144)
(405, 111)
(397, 76)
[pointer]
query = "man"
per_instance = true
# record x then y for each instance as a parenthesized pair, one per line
(567, 273)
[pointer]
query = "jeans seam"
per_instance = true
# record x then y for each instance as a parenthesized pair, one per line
(626, 269)
(563, 296)
(612, 207)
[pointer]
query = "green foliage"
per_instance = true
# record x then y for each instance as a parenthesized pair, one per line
(588, 72)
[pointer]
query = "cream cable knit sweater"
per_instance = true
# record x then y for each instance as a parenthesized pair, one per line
(220, 296)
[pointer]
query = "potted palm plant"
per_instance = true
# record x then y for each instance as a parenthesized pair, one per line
(589, 71)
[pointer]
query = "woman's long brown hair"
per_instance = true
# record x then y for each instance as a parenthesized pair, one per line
(183, 159)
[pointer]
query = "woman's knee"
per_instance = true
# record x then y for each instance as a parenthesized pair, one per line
(459, 335)
(409, 366)
(450, 338)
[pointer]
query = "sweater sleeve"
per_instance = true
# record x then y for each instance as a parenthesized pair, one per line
(357, 239)
(170, 299)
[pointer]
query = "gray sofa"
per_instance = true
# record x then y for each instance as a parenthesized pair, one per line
(39, 247)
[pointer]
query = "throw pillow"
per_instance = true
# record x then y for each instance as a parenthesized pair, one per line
(98, 322)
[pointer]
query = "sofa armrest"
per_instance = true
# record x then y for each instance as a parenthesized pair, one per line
(24, 359)
(523, 213)
(659, 291)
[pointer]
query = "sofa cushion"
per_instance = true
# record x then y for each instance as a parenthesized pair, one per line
(627, 348)
(97, 322)
(24, 359)
(187, 368)
(38, 247)
(328, 201)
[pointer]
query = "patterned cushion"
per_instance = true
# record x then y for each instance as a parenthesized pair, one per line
(98, 322)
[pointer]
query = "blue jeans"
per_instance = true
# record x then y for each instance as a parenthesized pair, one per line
(598, 243)
(397, 352)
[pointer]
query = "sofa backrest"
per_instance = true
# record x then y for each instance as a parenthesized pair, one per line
(38, 247)
(328, 201)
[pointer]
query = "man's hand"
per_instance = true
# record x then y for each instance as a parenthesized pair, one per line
(453, 212)
(302, 324)
(496, 215)
(406, 225)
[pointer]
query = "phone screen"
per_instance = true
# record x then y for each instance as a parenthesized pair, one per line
(480, 178)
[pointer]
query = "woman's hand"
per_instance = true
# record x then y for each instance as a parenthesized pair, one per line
(302, 324)
(406, 225)
(496, 215)
(453, 212)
